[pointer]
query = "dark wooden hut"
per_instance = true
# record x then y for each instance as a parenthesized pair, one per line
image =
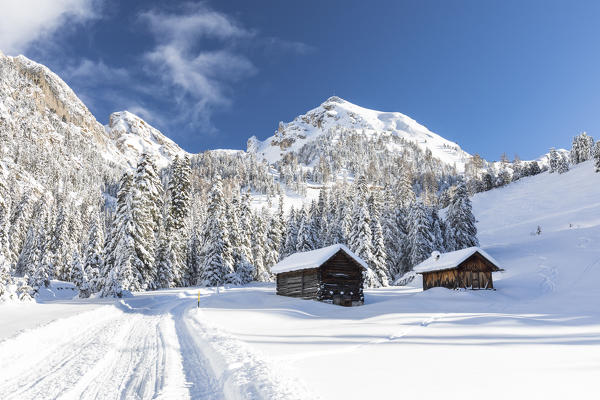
(332, 274)
(469, 268)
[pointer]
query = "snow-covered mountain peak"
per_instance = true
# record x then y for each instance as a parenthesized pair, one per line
(134, 136)
(336, 113)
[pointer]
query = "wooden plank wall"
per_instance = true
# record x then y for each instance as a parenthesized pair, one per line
(304, 283)
(473, 273)
(341, 275)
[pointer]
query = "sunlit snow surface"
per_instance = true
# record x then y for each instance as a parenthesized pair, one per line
(336, 112)
(536, 336)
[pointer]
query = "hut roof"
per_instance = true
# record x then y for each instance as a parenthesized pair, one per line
(441, 261)
(313, 259)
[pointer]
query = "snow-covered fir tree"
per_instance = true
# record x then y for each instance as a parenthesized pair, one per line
(306, 234)
(553, 160)
(175, 228)
(461, 231)
(582, 148)
(420, 239)
(291, 237)
(245, 229)
(93, 250)
(146, 207)
(273, 241)
(360, 235)
(118, 275)
(380, 257)
(165, 269)
(79, 276)
(596, 154)
(218, 258)
(563, 165)
(5, 211)
(5, 277)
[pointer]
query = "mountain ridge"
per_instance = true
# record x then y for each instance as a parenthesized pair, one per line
(336, 113)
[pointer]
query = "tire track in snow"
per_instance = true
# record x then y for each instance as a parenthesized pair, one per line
(122, 355)
(203, 384)
(238, 370)
(146, 365)
(54, 371)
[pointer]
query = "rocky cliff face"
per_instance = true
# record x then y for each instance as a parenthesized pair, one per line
(51, 144)
(35, 102)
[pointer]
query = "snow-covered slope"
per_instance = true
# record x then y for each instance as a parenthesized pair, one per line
(37, 103)
(134, 136)
(336, 113)
(564, 260)
(536, 336)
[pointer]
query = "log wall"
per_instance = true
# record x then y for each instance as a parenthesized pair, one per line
(304, 283)
(339, 281)
(342, 280)
(473, 273)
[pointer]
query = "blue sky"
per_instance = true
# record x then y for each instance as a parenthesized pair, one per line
(494, 76)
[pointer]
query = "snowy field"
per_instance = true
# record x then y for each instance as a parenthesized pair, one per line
(537, 336)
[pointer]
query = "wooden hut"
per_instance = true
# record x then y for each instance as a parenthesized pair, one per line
(469, 268)
(332, 274)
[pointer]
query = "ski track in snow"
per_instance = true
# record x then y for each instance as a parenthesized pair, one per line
(145, 347)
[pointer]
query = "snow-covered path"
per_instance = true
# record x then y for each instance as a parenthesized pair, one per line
(150, 346)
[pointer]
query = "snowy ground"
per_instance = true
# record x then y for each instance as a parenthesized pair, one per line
(536, 336)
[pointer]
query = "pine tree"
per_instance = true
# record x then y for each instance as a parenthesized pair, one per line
(118, 275)
(291, 237)
(380, 257)
(164, 257)
(59, 244)
(5, 277)
(282, 225)
(582, 148)
(121, 277)
(79, 277)
(218, 260)
(360, 235)
(319, 220)
(406, 194)
(554, 160)
(273, 242)
(596, 154)
(420, 240)
(28, 258)
(461, 231)
(258, 249)
(19, 228)
(5, 211)
(93, 251)
(563, 165)
(304, 241)
(175, 228)
(233, 225)
(246, 229)
(245, 271)
(438, 230)
(146, 206)
(194, 256)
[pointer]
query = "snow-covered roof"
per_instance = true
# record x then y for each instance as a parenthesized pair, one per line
(440, 261)
(313, 259)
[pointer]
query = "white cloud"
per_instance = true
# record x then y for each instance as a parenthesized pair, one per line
(188, 70)
(24, 22)
(95, 71)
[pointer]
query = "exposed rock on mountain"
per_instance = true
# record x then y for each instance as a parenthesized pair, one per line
(336, 114)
